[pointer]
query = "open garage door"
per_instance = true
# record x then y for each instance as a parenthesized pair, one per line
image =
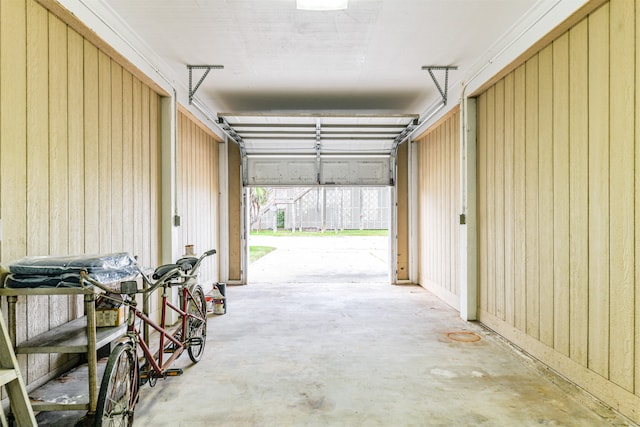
(320, 150)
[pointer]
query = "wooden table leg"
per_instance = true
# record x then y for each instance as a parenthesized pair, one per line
(92, 357)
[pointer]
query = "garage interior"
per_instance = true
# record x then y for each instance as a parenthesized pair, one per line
(506, 130)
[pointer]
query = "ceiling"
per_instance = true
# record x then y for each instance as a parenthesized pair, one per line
(362, 66)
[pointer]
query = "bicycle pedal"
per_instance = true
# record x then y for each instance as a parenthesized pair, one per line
(173, 372)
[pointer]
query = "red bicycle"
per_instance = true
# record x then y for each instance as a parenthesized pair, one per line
(126, 371)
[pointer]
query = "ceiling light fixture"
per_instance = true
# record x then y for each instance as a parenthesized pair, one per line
(322, 4)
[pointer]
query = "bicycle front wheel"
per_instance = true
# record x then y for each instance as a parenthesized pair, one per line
(119, 388)
(196, 324)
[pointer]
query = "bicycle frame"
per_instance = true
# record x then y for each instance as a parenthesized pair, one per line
(158, 364)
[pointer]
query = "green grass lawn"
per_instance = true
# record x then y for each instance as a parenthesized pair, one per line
(257, 252)
(327, 233)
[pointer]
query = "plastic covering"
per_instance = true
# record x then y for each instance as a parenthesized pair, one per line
(49, 271)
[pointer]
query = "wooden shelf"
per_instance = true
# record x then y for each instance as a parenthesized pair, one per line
(77, 336)
(70, 337)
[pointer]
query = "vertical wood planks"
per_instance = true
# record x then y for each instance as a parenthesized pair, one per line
(197, 191)
(482, 201)
(128, 212)
(37, 180)
(545, 195)
(499, 200)
(75, 97)
(104, 151)
(117, 171)
(598, 355)
(579, 193)
(455, 203)
(58, 138)
(438, 189)
(37, 134)
(574, 199)
(91, 178)
(136, 177)
(621, 193)
(491, 207)
(155, 177)
(637, 204)
(235, 194)
(561, 303)
(58, 308)
(13, 153)
(519, 188)
(75, 84)
(13, 122)
(509, 201)
(531, 212)
(63, 156)
(144, 175)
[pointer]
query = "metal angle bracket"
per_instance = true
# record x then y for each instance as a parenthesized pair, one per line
(431, 68)
(207, 68)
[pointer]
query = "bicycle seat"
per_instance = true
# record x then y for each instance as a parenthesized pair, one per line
(187, 262)
(162, 270)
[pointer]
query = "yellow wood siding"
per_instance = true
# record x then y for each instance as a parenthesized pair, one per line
(438, 205)
(558, 142)
(67, 153)
(198, 191)
(235, 215)
(402, 195)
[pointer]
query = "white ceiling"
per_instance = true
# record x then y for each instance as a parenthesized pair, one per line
(365, 60)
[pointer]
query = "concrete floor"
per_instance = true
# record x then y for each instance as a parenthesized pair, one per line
(339, 346)
(336, 259)
(298, 351)
(358, 355)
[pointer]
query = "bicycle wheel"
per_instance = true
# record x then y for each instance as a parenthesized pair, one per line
(196, 326)
(119, 388)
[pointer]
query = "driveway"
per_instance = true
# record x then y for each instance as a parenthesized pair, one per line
(329, 259)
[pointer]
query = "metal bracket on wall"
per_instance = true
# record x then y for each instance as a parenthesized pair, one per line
(207, 68)
(445, 68)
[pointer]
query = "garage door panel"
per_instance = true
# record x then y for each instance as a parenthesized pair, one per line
(353, 171)
(281, 172)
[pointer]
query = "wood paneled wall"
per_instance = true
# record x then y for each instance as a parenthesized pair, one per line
(402, 215)
(79, 157)
(235, 214)
(439, 208)
(197, 196)
(559, 205)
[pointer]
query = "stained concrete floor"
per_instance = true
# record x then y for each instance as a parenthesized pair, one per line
(307, 346)
(358, 355)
